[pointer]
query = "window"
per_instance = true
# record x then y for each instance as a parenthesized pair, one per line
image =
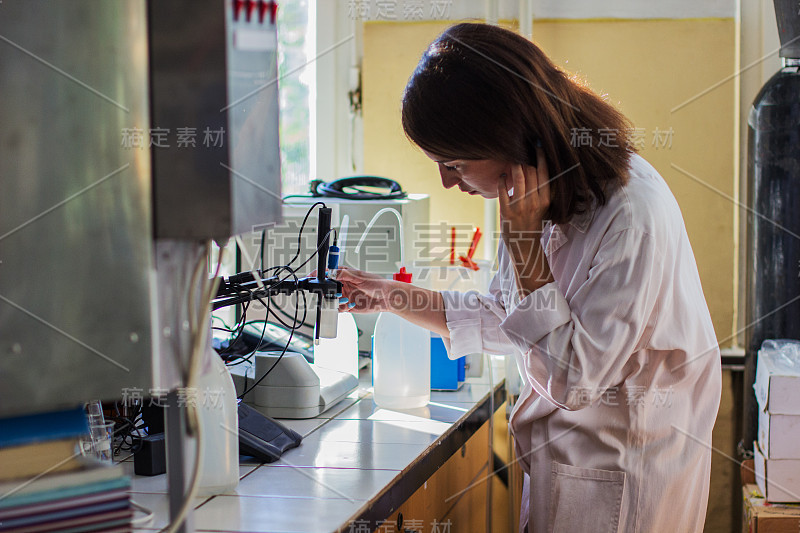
(297, 87)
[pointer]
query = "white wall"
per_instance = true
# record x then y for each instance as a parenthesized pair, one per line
(399, 10)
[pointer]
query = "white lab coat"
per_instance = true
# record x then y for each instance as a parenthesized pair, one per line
(620, 363)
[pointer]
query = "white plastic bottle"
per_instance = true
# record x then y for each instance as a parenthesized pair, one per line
(340, 353)
(401, 361)
(217, 406)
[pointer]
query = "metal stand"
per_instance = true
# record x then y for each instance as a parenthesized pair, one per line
(177, 482)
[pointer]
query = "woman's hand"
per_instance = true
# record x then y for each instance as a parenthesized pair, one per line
(521, 217)
(370, 293)
(365, 292)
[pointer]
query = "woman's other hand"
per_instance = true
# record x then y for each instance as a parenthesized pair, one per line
(521, 217)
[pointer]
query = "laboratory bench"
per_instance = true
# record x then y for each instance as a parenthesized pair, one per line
(363, 468)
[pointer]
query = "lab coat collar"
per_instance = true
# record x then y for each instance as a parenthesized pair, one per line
(555, 236)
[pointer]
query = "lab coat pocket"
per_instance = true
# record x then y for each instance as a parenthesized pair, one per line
(585, 499)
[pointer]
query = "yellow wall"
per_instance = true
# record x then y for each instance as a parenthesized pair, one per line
(647, 68)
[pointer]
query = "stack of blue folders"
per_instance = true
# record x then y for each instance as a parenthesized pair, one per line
(67, 492)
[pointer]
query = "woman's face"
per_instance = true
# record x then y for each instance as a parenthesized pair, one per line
(472, 176)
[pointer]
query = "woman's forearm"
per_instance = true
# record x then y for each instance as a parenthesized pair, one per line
(419, 306)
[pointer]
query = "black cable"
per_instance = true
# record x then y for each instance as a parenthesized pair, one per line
(287, 315)
(292, 272)
(339, 188)
(124, 429)
(295, 323)
(229, 352)
(315, 251)
(239, 359)
(128, 442)
(280, 321)
(287, 266)
(240, 328)
(286, 347)
(300, 233)
(258, 344)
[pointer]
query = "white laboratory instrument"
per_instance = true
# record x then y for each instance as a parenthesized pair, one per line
(293, 388)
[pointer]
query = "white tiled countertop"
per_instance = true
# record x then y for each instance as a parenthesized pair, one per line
(357, 462)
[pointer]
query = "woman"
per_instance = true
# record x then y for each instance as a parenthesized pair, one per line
(597, 292)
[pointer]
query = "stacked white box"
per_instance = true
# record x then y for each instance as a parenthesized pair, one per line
(777, 452)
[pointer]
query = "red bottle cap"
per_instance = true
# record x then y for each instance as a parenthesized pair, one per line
(403, 276)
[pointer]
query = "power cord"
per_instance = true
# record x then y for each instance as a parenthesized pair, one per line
(199, 329)
(148, 514)
(282, 273)
(352, 188)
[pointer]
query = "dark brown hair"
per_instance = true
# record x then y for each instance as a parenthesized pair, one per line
(483, 92)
